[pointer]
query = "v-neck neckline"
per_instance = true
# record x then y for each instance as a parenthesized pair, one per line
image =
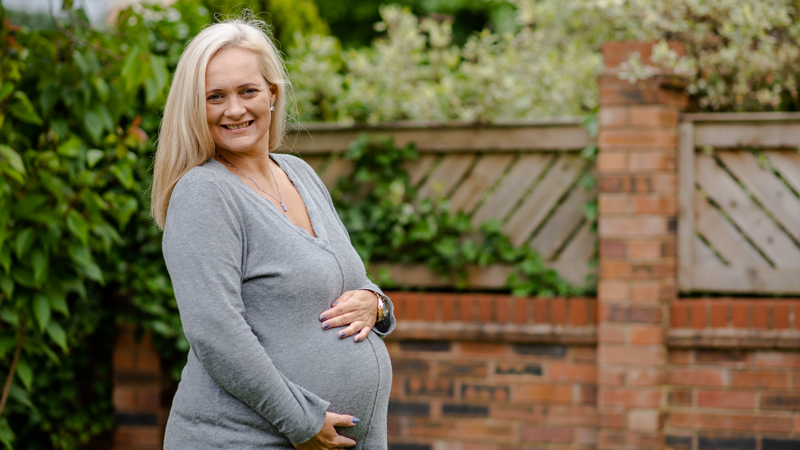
(316, 225)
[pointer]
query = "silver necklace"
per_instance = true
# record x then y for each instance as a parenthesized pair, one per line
(283, 205)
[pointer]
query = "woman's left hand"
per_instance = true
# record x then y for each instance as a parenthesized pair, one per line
(356, 309)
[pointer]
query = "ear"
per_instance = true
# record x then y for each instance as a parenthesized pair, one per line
(273, 92)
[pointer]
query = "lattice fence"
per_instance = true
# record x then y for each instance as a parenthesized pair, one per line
(525, 175)
(740, 224)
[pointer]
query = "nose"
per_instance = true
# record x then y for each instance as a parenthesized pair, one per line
(235, 108)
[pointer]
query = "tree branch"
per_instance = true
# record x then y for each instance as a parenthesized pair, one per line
(12, 370)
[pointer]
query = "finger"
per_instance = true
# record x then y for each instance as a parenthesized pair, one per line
(346, 295)
(351, 329)
(361, 335)
(342, 308)
(346, 319)
(343, 442)
(344, 420)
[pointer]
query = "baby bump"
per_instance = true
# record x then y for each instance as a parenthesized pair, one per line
(354, 377)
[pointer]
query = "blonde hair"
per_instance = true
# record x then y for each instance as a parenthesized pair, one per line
(184, 140)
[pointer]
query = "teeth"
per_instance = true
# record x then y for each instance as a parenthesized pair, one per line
(236, 127)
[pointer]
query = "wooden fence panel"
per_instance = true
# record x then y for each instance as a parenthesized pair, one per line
(524, 175)
(740, 208)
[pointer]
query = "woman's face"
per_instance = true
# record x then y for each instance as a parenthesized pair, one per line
(237, 102)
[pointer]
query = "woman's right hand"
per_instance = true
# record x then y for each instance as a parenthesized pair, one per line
(328, 438)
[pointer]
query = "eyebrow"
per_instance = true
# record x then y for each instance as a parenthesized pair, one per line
(237, 87)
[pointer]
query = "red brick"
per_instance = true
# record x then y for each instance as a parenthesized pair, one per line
(651, 161)
(482, 349)
(429, 307)
(726, 399)
(521, 310)
(656, 203)
(448, 304)
(632, 226)
(612, 419)
(123, 359)
(646, 291)
(584, 354)
(485, 303)
(796, 307)
(647, 248)
(541, 311)
(578, 312)
(466, 305)
(585, 436)
(644, 377)
(759, 379)
(479, 429)
(632, 398)
(138, 435)
(638, 138)
(611, 377)
(409, 309)
(697, 313)
(644, 419)
(722, 357)
(543, 393)
(776, 359)
(610, 248)
(699, 421)
(775, 424)
(680, 397)
(739, 314)
(612, 161)
(780, 315)
(678, 315)
(697, 377)
(796, 420)
(630, 355)
(760, 314)
(527, 412)
(503, 308)
(680, 357)
(558, 311)
(719, 314)
(612, 290)
(646, 335)
(148, 361)
(612, 203)
(546, 434)
(557, 371)
(611, 333)
(629, 314)
(613, 116)
(653, 115)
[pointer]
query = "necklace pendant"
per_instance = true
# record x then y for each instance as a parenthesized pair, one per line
(284, 207)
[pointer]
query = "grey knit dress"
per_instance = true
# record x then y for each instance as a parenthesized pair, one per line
(250, 286)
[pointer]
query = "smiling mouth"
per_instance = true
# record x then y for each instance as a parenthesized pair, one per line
(240, 126)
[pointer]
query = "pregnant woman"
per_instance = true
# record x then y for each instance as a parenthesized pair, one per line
(284, 326)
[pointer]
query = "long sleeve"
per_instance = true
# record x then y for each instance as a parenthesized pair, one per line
(203, 247)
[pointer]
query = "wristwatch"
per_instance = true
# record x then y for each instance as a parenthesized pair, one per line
(382, 310)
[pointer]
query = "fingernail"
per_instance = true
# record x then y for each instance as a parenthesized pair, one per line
(325, 326)
(321, 317)
(356, 420)
(335, 303)
(358, 339)
(341, 334)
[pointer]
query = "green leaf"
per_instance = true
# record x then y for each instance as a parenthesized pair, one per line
(19, 394)
(7, 342)
(49, 97)
(124, 174)
(13, 158)
(39, 264)
(70, 148)
(25, 373)
(58, 301)
(93, 156)
(93, 272)
(6, 434)
(56, 332)
(102, 88)
(82, 63)
(5, 258)
(24, 242)
(22, 109)
(7, 285)
(10, 315)
(6, 88)
(41, 310)
(93, 123)
(78, 226)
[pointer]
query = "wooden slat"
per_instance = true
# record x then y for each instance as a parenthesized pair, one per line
(338, 167)
(723, 236)
(766, 188)
(746, 280)
(511, 188)
(544, 197)
(418, 169)
(420, 275)
(748, 216)
(742, 117)
(686, 181)
(787, 163)
(740, 135)
(563, 222)
(437, 138)
(482, 177)
(703, 256)
(572, 263)
(445, 176)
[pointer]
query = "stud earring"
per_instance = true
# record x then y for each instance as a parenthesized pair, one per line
(271, 107)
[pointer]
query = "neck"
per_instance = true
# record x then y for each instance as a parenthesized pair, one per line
(250, 164)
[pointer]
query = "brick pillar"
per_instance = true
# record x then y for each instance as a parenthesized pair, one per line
(139, 421)
(636, 163)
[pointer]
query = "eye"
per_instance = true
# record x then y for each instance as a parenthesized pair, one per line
(213, 98)
(251, 92)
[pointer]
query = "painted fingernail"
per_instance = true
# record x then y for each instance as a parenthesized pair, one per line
(341, 334)
(358, 339)
(356, 420)
(321, 317)
(335, 303)
(325, 326)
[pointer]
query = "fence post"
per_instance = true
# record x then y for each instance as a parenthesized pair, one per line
(636, 164)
